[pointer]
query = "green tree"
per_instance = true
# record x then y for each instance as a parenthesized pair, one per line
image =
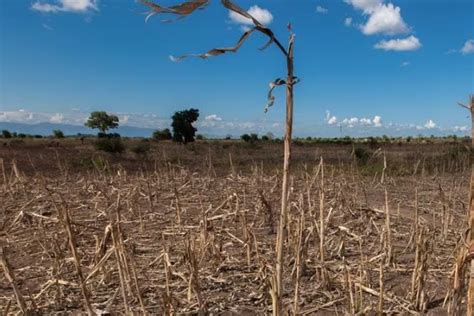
(102, 121)
(6, 134)
(163, 134)
(183, 129)
(57, 133)
(245, 137)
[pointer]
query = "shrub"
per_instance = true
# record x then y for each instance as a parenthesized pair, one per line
(21, 135)
(141, 148)
(57, 133)
(110, 144)
(253, 137)
(6, 134)
(245, 137)
(362, 155)
(164, 134)
(200, 137)
(265, 138)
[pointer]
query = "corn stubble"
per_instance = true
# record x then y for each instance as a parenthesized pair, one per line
(135, 256)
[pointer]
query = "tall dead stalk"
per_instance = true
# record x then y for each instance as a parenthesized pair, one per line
(183, 10)
(7, 270)
(470, 237)
(66, 220)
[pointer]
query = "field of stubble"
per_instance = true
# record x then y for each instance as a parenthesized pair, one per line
(191, 230)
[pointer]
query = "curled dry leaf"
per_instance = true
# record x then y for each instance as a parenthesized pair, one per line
(217, 51)
(271, 97)
(273, 84)
(183, 9)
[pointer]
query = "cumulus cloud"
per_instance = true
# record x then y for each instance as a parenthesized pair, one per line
(75, 6)
(385, 19)
(354, 121)
(367, 6)
(56, 118)
(405, 64)
(330, 119)
(377, 121)
(430, 124)
(213, 117)
(460, 128)
(400, 44)
(468, 47)
(321, 10)
(262, 15)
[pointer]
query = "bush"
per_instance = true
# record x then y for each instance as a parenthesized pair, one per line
(141, 148)
(245, 137)
(362, 155)
(200, 137)
(110, 144)
(21, 135)
(57, 133)
(164, 134)
(6, 134)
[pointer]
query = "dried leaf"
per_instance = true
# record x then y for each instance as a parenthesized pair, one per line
(182, 9)
(271, 97)
(217, 51)
(275, 83)
(259, 26)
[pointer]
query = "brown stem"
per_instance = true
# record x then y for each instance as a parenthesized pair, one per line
(286, 172)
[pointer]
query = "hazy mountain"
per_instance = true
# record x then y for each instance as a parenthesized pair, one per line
(46, 129)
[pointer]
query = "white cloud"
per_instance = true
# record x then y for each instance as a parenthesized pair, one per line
(377, 121)
(385, 19)
(468, 47)
(354, 121)
(404, 44)
(430, 124)
(56, 118)
(460, 128)
(213, 117)
(332, 120)
(405, 64)
(348, 21)
(262, 15)
(321, 10)
(45, 7)
(76, 6)
(124, 119)
(367, 6)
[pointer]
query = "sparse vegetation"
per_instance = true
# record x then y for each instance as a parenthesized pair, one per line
(57, 133)
(183, 129)
(110, 144)
(164, 134)
(142, 148)
(220, 206)
(6, 134)
(102, 121)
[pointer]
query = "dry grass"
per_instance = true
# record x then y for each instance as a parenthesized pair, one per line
(174, 240)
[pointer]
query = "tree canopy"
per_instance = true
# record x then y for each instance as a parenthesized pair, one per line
(102, 121)
(183, 129)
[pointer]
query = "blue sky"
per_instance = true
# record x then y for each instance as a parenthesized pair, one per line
(366, 66)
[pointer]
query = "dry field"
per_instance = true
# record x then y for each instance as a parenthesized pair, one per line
(191, 230)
